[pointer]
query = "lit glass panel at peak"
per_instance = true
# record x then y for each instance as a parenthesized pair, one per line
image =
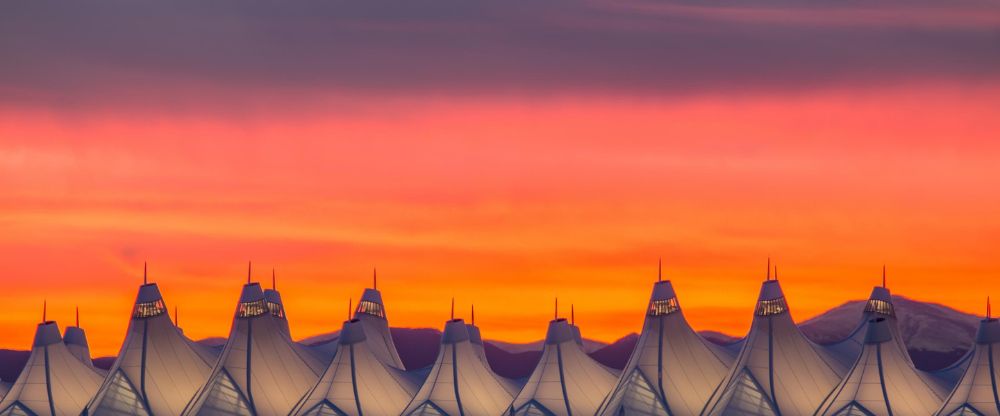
(149, 309)
(251, 309)
(771, 307)
(371, 308)
(880, 307)
(663, 307)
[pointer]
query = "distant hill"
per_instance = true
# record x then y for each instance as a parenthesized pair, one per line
(936, 336)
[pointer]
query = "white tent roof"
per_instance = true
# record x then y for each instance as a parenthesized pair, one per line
(158, 369)
(459, 383)
(371, 312)
(476, 338)
(977, 392)
(672, 370)
(53, 382)
(277, 308)
(357, 382)
(778, 371)
(882, 381)
(261, 371)
(566, 381)
(879, 305)
(76, 341)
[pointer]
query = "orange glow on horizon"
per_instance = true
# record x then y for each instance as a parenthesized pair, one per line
(503, 203)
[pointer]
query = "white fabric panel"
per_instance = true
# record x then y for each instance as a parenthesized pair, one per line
(907, 391)
(692, 367)
(848, 350)
(281, 371)
(380, 340)
(802, 373)
(585, 381)
(119, 398)
(480, 391)
(975, 390)
(72, 382)
(381, 391)
(175, 366)
(746, 397)
(635, 395)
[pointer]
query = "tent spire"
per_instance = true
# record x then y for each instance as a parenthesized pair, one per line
(988, 310)
(177, 317)
(572, 314)
(776, 271)
(145, 281)
(374, 278)
(45, 309)
(350, 307)
(659, 270)
(452, 308)
(557, 309)
(78, 316)
(249, 267)
(473, 313)
(274, 285)
(768, 267)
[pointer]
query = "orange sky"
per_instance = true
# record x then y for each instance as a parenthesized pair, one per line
(504, 201)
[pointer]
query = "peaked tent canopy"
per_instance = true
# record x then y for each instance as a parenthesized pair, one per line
(673, 370)
(459, 383)
(53, 381)
(371, 312)
(879, 305)
(566, 380)
(476, 338)
(158, 369)
(778, 370)
(977, 392)
(261, 371)
(76, 341)
(882, 381)
(357, 382)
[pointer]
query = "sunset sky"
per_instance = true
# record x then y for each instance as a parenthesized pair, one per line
(500, 152)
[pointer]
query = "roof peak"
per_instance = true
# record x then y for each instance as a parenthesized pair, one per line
(770, 290)
(559, 331)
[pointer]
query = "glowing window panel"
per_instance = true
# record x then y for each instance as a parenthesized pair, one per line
(149, 309)
(663, 307)
(251, 309)
(880, 307)
(371, 308)
(276, 309)
(771, 307)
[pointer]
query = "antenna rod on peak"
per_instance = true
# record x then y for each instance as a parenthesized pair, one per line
(775, 271)
(45, 309)
(659, 270)
(78, 316)
(768, 267)
(557, 308)
(249, 268)
(473, 313)
(452, 308)
(177, 317)
(374, 278)
(989, 312)
(274, 285)
(883, 276)
(572, 314)
(350, 307)
(145, 280)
